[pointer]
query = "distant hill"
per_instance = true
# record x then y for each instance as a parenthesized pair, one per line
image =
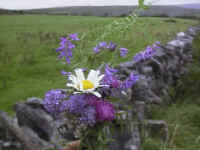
(190, 6)
(168, 11)
(10, 12)
(185, 11)
(172, 11)
(87, 10)
(2, 11)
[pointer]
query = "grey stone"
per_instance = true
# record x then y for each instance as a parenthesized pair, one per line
(36, 119)
(29, 140)
(181, 34)
(10, 145)
(147, 70)
(39, 121)
(193, 31)
(184, 36)
(127, 139)
(140, 110)
(177, 43)
(6, 144)
(34, 101)
(142, 92)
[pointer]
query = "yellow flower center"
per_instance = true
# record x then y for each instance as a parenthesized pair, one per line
(87, 84)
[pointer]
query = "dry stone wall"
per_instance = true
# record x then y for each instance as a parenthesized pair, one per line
(34, 129)
(162, 70)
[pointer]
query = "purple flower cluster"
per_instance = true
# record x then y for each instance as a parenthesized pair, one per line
(105, 111)
(146, 54)
(111, 47)
(53, 101)
(109, 70)
(78, 104)
(66, 47)
(103, 45)
(123, 52)
(64, 73)
(89, 108)
(129, 82)
(75, 104)
(74, 37)
(111, 80)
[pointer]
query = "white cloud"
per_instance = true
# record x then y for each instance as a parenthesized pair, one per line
(28, 4)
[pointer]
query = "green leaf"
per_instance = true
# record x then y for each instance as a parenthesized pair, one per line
(142, 5)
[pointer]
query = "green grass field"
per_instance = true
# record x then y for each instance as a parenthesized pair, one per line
(28, 61)
(29, 65)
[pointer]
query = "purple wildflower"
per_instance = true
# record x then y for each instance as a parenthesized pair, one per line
(63, 40)
(111, 81)
(102, 44)
(89, 108)
(64, 73)
(53, 101)
(65, 49)
(76, 103)
(111, 46)
(74, 37)
(123, 52)
(139, 56)
(96, 49)
(91, 99)
(109, 70)
(105, 111)
(130, 81)
(148, 53)
(82, 105)
(109, 78)
(157, 43)
(62, 44)
(70, 45)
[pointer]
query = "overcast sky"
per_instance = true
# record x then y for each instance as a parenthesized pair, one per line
(29, 4)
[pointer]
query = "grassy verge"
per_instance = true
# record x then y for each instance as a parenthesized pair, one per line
(27, 49)
(183, 116)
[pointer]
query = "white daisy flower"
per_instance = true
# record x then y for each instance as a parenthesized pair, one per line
(83, 85)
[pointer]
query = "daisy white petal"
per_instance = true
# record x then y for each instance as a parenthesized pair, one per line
(83, 85)
(76, 92)
(72, 85)
(91, 75)
(97, 81)
(79, 74)
(90, 90)
(96, 94)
